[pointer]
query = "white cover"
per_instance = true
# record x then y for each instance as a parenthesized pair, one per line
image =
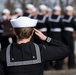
(69, 8)
(23, 22)
(6, 11)
(57, 7)
(30, 6)
(43, 7)
(18, 10)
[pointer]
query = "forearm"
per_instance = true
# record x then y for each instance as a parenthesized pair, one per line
(53, 42)
(57, 49)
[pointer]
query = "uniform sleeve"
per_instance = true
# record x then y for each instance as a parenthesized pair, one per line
(55, 50)
(47, 25)
(2, 62)
(74, 24)
(1, 69)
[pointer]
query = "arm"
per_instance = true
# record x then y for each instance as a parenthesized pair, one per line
(2, 62)
(55, 50)
(1, 69)
(1, 66)
(74, 24)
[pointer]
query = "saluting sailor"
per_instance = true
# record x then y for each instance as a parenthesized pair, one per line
(68, 29)
(55, 28)
(29, 10)
(25, 57)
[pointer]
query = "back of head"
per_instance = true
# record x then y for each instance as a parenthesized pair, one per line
(23, 33)
(23, 27)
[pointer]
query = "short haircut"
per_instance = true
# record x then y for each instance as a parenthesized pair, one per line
(23, 33)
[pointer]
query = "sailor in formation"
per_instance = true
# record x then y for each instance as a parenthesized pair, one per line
(42, 21)
(55, 29)
(7, 28)
(29, 10)
(17, 13)
(69, 26)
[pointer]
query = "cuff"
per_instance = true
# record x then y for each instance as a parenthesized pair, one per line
(48, 39)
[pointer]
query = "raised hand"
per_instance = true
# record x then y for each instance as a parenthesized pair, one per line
(40, 34)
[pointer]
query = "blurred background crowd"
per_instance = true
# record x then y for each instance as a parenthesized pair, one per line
(56, 19)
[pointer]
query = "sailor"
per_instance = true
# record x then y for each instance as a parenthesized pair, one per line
(42, 21)
(42, 26)
(68, 29)
(34, 12)
(55, 23)
(7, 28)
(29, 10)
(49, 11)
(25, 57)
(18, 12)
(55, 28)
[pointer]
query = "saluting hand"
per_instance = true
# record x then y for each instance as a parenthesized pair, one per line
(40, 35)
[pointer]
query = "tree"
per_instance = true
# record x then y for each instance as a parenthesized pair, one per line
(23, 3)
(35, 2)
(9, 5)
(62, 5)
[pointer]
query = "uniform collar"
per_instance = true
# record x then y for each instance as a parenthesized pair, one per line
(54, 18)
(67, 18)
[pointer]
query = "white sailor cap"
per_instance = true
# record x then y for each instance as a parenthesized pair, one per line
(57, 7)
(18, 10)
(69, 8)
(49, 9)
(34, 9)
(23, 22)
(6, 11)
(43, 7)
(29, 6)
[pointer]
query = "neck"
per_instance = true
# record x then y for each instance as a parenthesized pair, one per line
(19, 41)
(69, 15)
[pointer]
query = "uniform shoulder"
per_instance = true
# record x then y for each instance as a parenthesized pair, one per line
(41, 46)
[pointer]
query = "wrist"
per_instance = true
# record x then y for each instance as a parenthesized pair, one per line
(45, 37)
